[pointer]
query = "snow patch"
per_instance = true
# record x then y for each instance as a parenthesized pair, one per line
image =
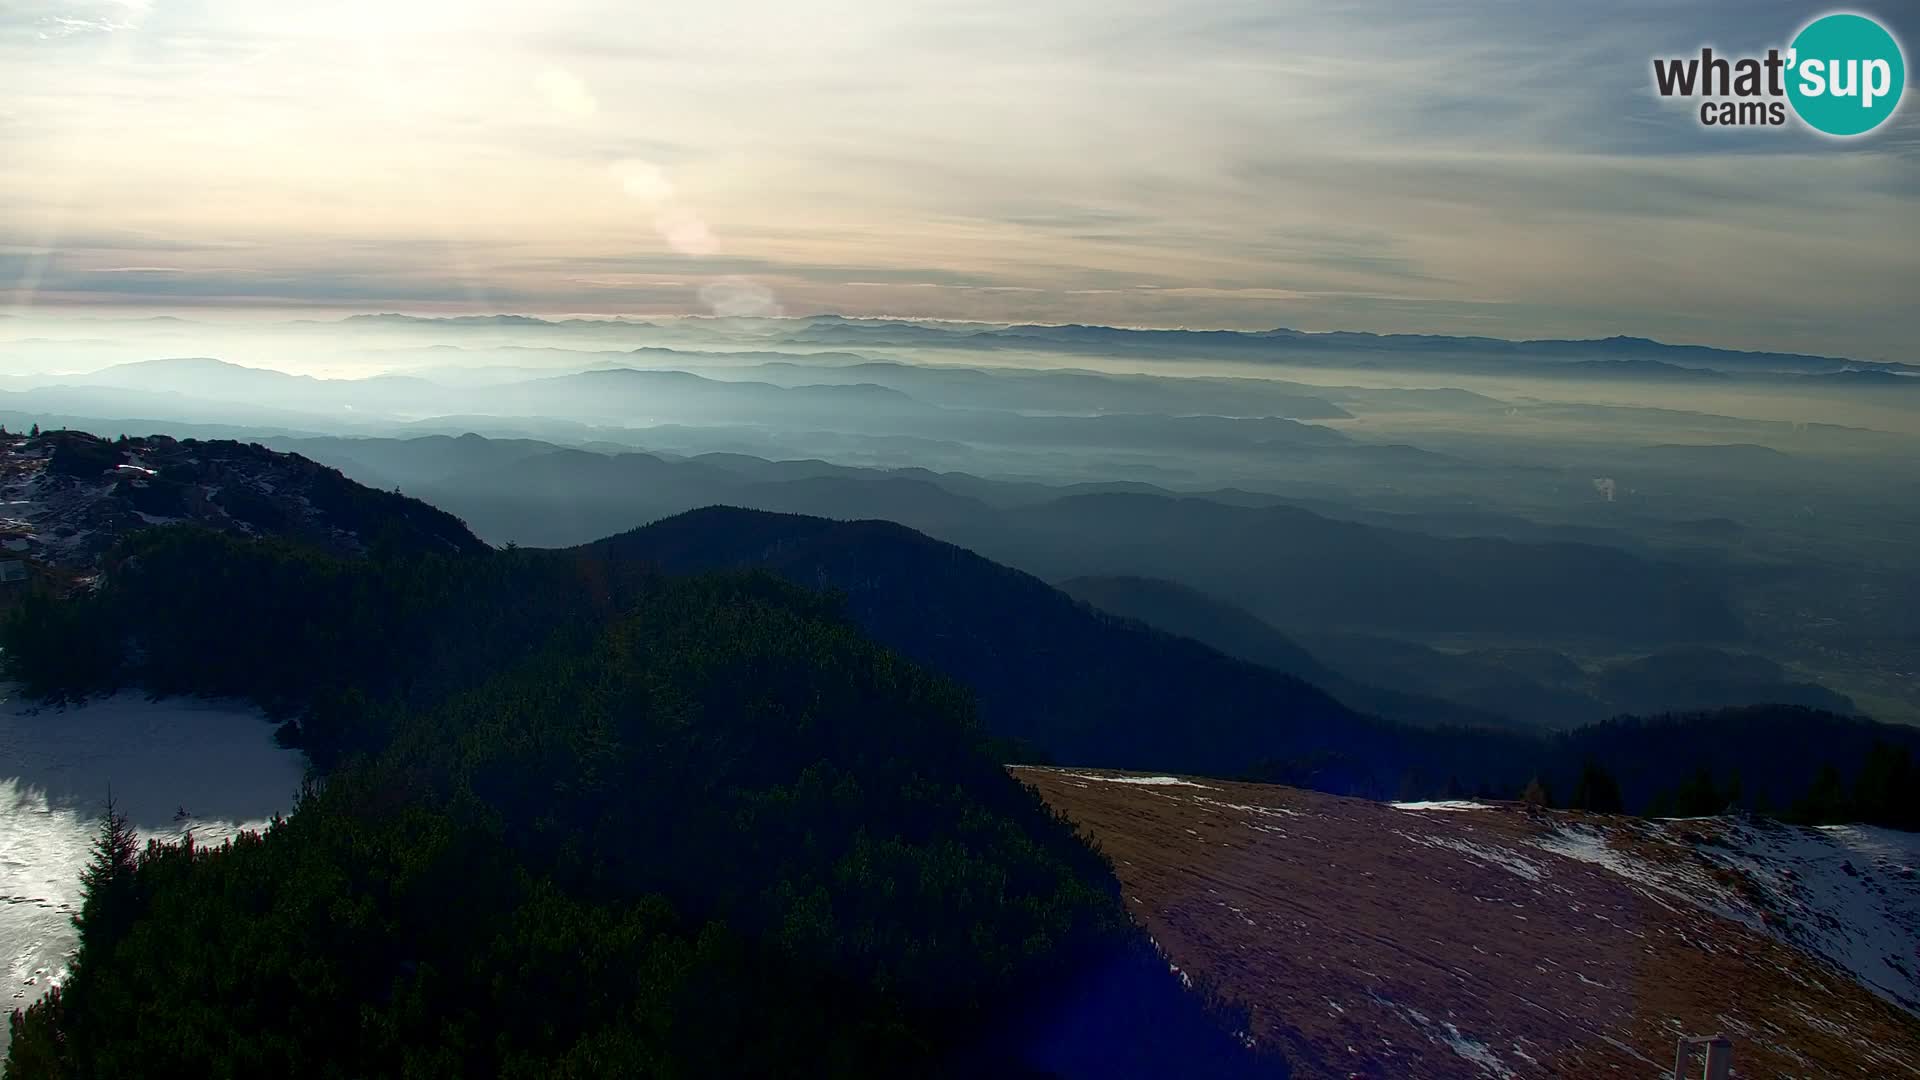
(1848, 895)
(1483, 1057)
(1248, 808)
(1510, 861)
(1146, 781)
(1479, 1053)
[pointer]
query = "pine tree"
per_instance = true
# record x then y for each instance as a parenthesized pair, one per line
(1660, 806)
(1597, 791)
(1698, 796)
(1825, 803)
(1885, 793)
(1537, 794)
(108, 904)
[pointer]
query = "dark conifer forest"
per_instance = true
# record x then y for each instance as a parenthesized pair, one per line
(574, 821)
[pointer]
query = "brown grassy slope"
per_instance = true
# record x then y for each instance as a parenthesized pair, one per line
(1370, 941)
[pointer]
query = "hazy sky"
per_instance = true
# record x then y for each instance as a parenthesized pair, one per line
(1489, 167)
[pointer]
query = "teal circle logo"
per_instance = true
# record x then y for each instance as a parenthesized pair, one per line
(1845, 74)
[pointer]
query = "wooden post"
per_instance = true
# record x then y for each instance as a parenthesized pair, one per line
(1719, 1057)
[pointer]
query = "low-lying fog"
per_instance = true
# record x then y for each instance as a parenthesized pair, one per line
(1535, 527)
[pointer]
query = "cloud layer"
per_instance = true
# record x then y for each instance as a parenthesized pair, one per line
(1450, 166)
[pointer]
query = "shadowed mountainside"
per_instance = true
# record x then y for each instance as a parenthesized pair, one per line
(1049, 673)
(1530, 688)
(1190, 613)
(1065, 682)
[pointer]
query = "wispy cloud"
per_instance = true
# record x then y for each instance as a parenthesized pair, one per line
(1451, 165)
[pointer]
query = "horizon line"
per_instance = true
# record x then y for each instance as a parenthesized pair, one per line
(291, 317)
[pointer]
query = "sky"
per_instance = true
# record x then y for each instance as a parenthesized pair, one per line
(1493, 167)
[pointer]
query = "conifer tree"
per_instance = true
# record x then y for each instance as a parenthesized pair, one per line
(1825, 803)
(1597, 790)
(108, 901)
(1886, 792)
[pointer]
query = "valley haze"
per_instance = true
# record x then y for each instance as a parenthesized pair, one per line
(1425, 514)
(1416, 567)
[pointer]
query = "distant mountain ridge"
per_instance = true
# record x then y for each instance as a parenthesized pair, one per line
(1288, 340)
(1291, 566)
(854, 331)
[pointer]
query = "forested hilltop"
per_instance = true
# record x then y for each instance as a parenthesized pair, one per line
(581, 819)
(70, 496)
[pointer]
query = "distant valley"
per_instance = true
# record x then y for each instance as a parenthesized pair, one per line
(701, 649)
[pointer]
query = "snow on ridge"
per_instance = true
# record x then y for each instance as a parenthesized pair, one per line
(1146, 781)
(1441, 804)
